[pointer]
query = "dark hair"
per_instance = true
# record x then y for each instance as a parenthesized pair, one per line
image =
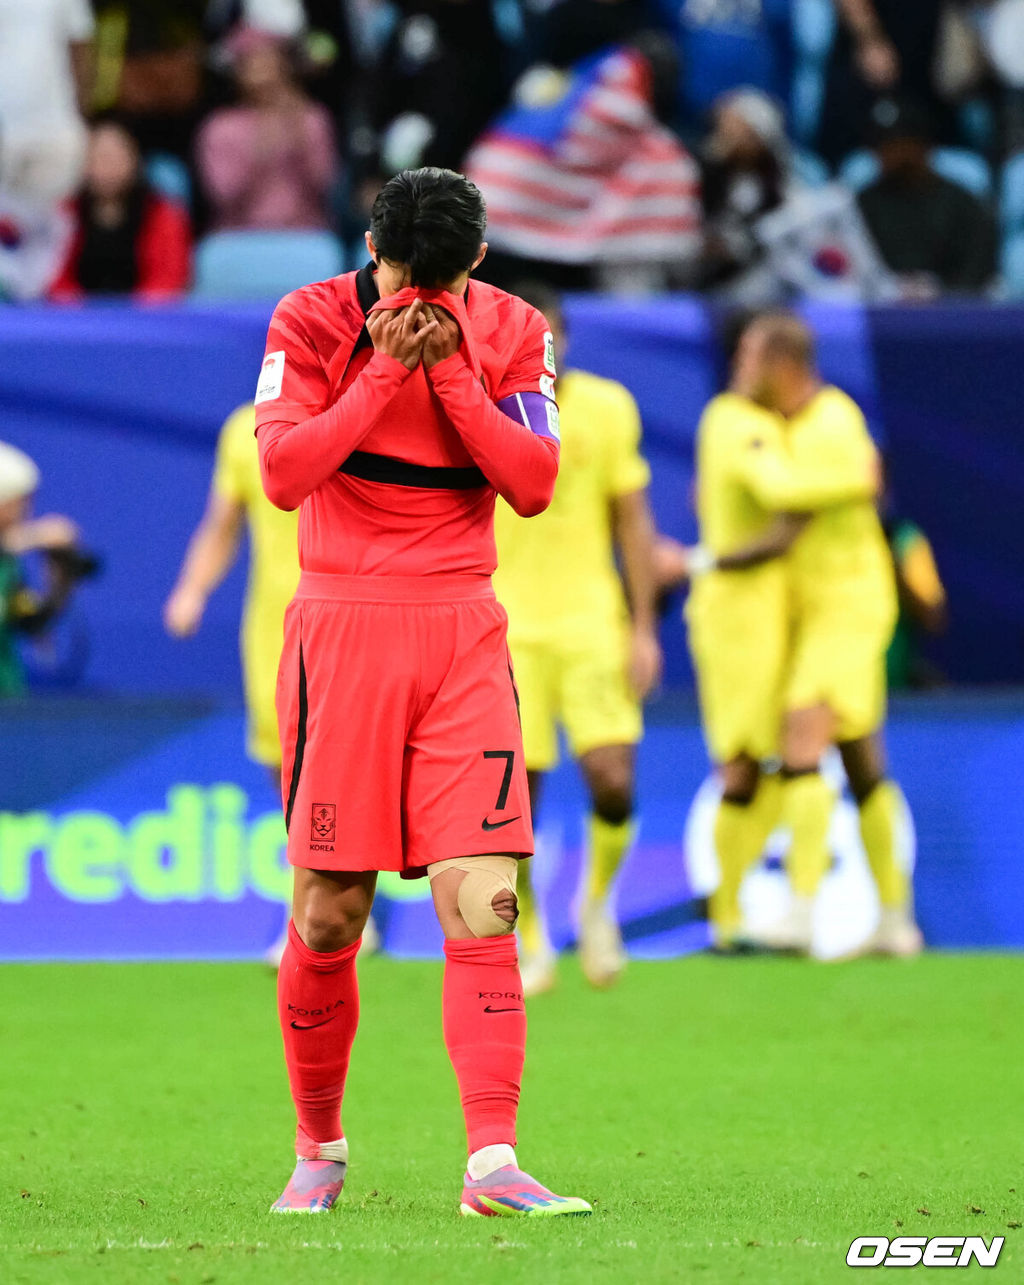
(431, 219)
(541, 296)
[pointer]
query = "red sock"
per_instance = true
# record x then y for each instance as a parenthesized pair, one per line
(318, 1004)
(485, 1032)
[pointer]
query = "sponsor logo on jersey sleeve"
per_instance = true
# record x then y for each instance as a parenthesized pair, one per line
(547, 386)
(549, 352)
(271, 377)
(553, 427)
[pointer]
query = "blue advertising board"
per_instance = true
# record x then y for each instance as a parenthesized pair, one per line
(137, 830)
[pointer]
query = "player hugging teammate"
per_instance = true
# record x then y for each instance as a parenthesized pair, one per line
(792, 611)
(394, 404)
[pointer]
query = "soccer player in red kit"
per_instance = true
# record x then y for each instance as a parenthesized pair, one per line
(393, 404)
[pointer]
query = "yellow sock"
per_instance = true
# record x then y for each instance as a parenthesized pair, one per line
(607, 845)
(807, 803)
(768, 805)
(879, 830)
(530, 924)
(741, 832)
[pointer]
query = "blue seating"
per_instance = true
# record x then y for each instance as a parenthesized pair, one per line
(977, 127)
(814, 29)
(806, 96)
(814, 25)
(957, 164)
(809, 168)
(859, 170)
(1012, 195)
(169, 176)
(964, 167)
(1013, 266)
(264, 265)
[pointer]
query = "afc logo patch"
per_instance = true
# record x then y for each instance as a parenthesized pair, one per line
(271, 378)
(322, 823)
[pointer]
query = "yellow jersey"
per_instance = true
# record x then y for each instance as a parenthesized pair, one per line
(556, 575)
(738, 620)
(273, 534)
(752, 465)
(734, 438)
(841, 560)
(739, 453)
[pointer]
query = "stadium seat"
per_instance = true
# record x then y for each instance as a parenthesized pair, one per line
(964, 167)
(813, 32)
(859, 169)
(814, 28)
(1013, 266)
(1012, 196)
(263, 265)
(957, 164)
(809, 168)
(976, 126)
(169, 176)
(806, 97)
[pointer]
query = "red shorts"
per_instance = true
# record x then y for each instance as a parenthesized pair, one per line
(399, 724)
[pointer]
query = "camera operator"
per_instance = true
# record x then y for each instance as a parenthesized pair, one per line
(24, 609)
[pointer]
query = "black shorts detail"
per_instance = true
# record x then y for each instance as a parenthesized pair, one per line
(300, 742)
(515, 693)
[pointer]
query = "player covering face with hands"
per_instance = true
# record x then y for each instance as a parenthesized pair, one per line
(394, 404)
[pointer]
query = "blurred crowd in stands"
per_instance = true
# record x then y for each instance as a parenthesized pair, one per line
(757, 150)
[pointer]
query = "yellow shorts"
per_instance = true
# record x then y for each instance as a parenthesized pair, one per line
(839, 661)
(261, 653)
(585, 691)
(739, 644)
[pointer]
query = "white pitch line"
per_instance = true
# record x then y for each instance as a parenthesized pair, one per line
(408, 1248)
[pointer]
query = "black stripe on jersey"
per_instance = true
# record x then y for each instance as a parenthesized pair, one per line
(385, 468)
(300, 742)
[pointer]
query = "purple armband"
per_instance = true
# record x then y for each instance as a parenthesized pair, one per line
(538, 413)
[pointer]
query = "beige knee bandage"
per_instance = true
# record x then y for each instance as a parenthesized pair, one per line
(485, 878)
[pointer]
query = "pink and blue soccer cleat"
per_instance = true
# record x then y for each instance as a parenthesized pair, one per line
(313, 1187)
(510, 1193)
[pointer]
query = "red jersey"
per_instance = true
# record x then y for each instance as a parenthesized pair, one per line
(396, 471)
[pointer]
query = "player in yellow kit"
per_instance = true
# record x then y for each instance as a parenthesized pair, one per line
(237, 502)
(751, 496)
(738, 633)
(582, 659)
(843, 610)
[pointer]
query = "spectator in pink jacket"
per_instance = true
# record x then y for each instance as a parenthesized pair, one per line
(269, 162)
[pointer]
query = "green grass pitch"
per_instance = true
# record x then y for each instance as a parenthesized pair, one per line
(731, 1120)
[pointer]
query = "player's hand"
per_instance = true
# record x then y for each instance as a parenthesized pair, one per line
(441, 338)
(400, 332)
(645, 661)
(183, 612)
(671, 566)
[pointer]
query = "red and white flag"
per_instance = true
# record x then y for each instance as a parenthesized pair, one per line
(591, 177)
